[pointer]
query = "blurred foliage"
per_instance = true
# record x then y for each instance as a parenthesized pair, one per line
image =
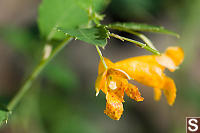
(43, 109)
(140, 9)
(65, 118)
(61, 76)
(23, 40)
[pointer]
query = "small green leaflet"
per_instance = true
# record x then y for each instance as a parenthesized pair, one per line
(141, 27)
(96, 35)
(4, 113)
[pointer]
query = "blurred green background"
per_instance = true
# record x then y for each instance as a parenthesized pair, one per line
(62, 99)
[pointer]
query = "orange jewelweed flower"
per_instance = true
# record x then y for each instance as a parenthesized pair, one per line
(148, 70)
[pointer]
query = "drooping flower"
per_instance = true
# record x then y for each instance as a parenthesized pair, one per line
(148, 70)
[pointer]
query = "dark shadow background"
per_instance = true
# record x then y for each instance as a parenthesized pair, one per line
(62, 99)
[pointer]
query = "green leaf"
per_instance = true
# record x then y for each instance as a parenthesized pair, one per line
(4, 113)
(68, 14)
(141, 27)
(96, 35)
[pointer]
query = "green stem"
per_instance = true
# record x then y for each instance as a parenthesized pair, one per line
(26, 86)
(143, 37)
(101, 57)
(142, 45)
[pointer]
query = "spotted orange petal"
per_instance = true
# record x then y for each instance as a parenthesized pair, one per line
(114, 108)
(133, 92)
(116, 86)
